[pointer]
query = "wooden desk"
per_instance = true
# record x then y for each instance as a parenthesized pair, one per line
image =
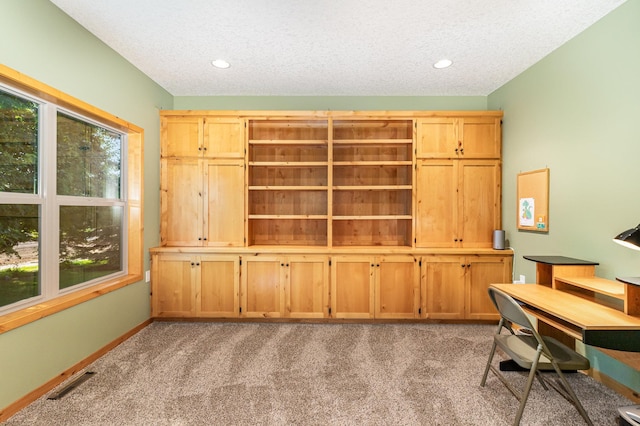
(582, 319)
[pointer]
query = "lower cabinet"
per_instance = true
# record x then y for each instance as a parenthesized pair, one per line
(195, 285)
(455, 287)
(374, 287)
(393, 286)
(285, 286)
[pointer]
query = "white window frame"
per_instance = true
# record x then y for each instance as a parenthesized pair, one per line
(51, 298)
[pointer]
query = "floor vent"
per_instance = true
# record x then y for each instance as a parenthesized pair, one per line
(72, 385)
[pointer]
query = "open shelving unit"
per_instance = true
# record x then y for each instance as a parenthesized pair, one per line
(372, 182)
(330, 182)
(288, 186)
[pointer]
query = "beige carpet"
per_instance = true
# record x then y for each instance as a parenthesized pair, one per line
(308, 374)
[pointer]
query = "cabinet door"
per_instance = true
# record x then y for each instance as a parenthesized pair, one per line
(480, 137)
(307, 287)
(437, 138)
(223, 138)
(352, 287)
(261, 295)
(481, 272)
(443, 287)
(397, 287)
(181, 136)
(218, 294)
(437, 203)
(181, 219)
(224, 206)
(480, 202)
(173, 285)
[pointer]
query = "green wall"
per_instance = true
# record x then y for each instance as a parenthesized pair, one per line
(577, 112)
(335, 103)
(40, 41)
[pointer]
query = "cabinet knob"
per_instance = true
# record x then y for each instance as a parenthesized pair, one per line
(461, 150)
(199, 239)
(192, 264)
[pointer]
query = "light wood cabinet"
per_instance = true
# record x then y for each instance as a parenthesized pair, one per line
(285, 286)
(197, 198)
(352, 286)
(455, 287)
(201, 181)
(459, 137)
(397, 287)
(195, 285)
(467, 193)
(282, 192)
(211, 137)
(374, 287)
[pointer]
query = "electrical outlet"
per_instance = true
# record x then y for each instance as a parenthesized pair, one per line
(522, 280)
(147, 276)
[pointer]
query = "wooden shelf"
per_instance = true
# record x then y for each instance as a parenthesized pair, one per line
(372, 163)
(288, 163)
(371, 141)
(288, 141)
(598, 285)
(372, 217)
(370, 187)
(288, 216)
(287, 188)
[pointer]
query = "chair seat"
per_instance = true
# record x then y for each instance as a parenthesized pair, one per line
(522, 349)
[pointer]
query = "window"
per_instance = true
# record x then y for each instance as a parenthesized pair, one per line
(70, 199)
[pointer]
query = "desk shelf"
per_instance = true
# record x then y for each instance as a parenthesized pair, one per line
(626, 297)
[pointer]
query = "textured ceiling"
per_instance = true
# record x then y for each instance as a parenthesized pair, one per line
(334, 47)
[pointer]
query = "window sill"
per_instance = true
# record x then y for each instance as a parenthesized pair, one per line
(33, 313)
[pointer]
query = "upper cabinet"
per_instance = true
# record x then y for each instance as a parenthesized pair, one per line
(459, 137)
(330, 179)
(210, 137)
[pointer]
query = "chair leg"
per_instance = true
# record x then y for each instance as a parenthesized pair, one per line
(527, 389)
(570, 395)
(486, 369)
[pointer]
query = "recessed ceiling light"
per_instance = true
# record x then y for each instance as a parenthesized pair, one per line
(220, 63)
(443, 63)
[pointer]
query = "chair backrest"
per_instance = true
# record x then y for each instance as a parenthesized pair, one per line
(509, 309)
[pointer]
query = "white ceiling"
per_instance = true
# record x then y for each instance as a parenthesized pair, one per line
(334, 47)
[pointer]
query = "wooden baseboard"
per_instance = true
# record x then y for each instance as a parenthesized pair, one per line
(21, 403)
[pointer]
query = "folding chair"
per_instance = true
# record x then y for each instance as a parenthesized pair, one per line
(532, 352)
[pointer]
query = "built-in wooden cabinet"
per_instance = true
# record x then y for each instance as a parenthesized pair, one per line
(467, 193)
(455, 287)
(459, 137)
(375, 286)
(294, 286)
(202, 180)
(195, 285)
(346, 215)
